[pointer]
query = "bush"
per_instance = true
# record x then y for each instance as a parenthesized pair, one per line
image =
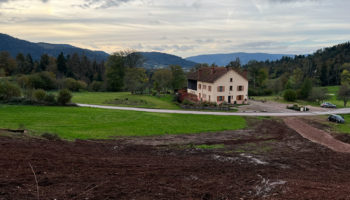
(42, 80)
(64, 97)
(318, 95)
(259, 92)
(9, 90)
(290, 95)
(50, 99)
(81, 85)
(96, 86)
(39, 95)
(73, 85)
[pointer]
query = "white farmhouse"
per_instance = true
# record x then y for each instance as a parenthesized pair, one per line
(219, 85)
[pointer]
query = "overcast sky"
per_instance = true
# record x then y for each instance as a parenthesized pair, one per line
(181, 27)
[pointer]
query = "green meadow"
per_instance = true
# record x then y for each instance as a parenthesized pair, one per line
(90, 123)
(125, 99)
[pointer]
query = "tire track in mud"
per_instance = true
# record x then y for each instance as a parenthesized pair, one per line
(316, 135)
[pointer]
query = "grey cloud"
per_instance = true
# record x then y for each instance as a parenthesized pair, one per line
(102, 3)
(6, 1)
(258, 44)
(205, 41)
(291, 1)
(171, 47)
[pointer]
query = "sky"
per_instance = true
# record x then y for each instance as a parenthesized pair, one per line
(181, 27)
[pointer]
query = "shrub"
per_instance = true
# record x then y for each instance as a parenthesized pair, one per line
(42, 80)
(318, 95)
(74, 85)
(9, 90)
(81, 85)
(96, 86)
(23, 81)
(50, 99)
(290, 95)
(64, 97)
(39, 95)
(259, 92)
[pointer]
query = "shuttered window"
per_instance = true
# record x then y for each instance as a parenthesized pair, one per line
(220, 98)
(221, 88)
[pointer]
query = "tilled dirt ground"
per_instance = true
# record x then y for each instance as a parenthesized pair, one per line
(269, 162)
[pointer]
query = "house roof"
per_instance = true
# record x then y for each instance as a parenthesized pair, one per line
(211, 74)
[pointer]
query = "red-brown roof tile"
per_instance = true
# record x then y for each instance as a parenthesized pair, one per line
(211, 74)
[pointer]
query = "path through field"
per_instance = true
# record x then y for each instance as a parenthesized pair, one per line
(317, 135)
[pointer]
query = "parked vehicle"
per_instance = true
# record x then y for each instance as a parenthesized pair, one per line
(328, 105)
(296, 107)
(336, 118)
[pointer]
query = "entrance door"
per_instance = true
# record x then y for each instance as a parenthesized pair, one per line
(229, 99)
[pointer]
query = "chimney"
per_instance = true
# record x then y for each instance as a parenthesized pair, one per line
(212, 70)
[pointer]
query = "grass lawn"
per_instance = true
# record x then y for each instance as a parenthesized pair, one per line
(332, 91)
(343, 128)
(125, 99)
(90, 123)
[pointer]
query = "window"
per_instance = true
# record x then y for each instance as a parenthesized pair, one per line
(204, 87)
(240, 97)
(221, 98)
(199, 86)
(200, 95)
(209, 88)
(231, 80)
(231, 88)
(204, 96)
(240, 88)
(221, 89)
(209, 98)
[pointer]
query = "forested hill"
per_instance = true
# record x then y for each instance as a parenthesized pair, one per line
(324, 66)
(15, 46)
(225, 59)
(161, 60)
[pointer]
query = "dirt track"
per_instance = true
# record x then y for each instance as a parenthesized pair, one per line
(270, 162)
(317, 135)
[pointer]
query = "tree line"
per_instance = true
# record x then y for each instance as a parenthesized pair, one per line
(323, 68)
(123, 71)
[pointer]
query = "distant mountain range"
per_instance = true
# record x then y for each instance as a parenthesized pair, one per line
(156, 60)
(153, 60)
(224, 59)
(15, 46)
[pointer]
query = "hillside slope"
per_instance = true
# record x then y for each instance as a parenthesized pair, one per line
(15, 46)
(155, 60)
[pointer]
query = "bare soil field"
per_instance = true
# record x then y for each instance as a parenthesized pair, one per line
(270, 161)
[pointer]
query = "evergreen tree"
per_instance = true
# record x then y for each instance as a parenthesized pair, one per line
(44, 63)
(61, 64)
(115, 72)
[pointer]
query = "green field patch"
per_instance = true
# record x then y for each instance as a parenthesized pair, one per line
(213, 146)
(342, 128)
(125, 99)
(92, 123)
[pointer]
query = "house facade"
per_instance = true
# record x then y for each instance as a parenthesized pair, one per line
(219, 85)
